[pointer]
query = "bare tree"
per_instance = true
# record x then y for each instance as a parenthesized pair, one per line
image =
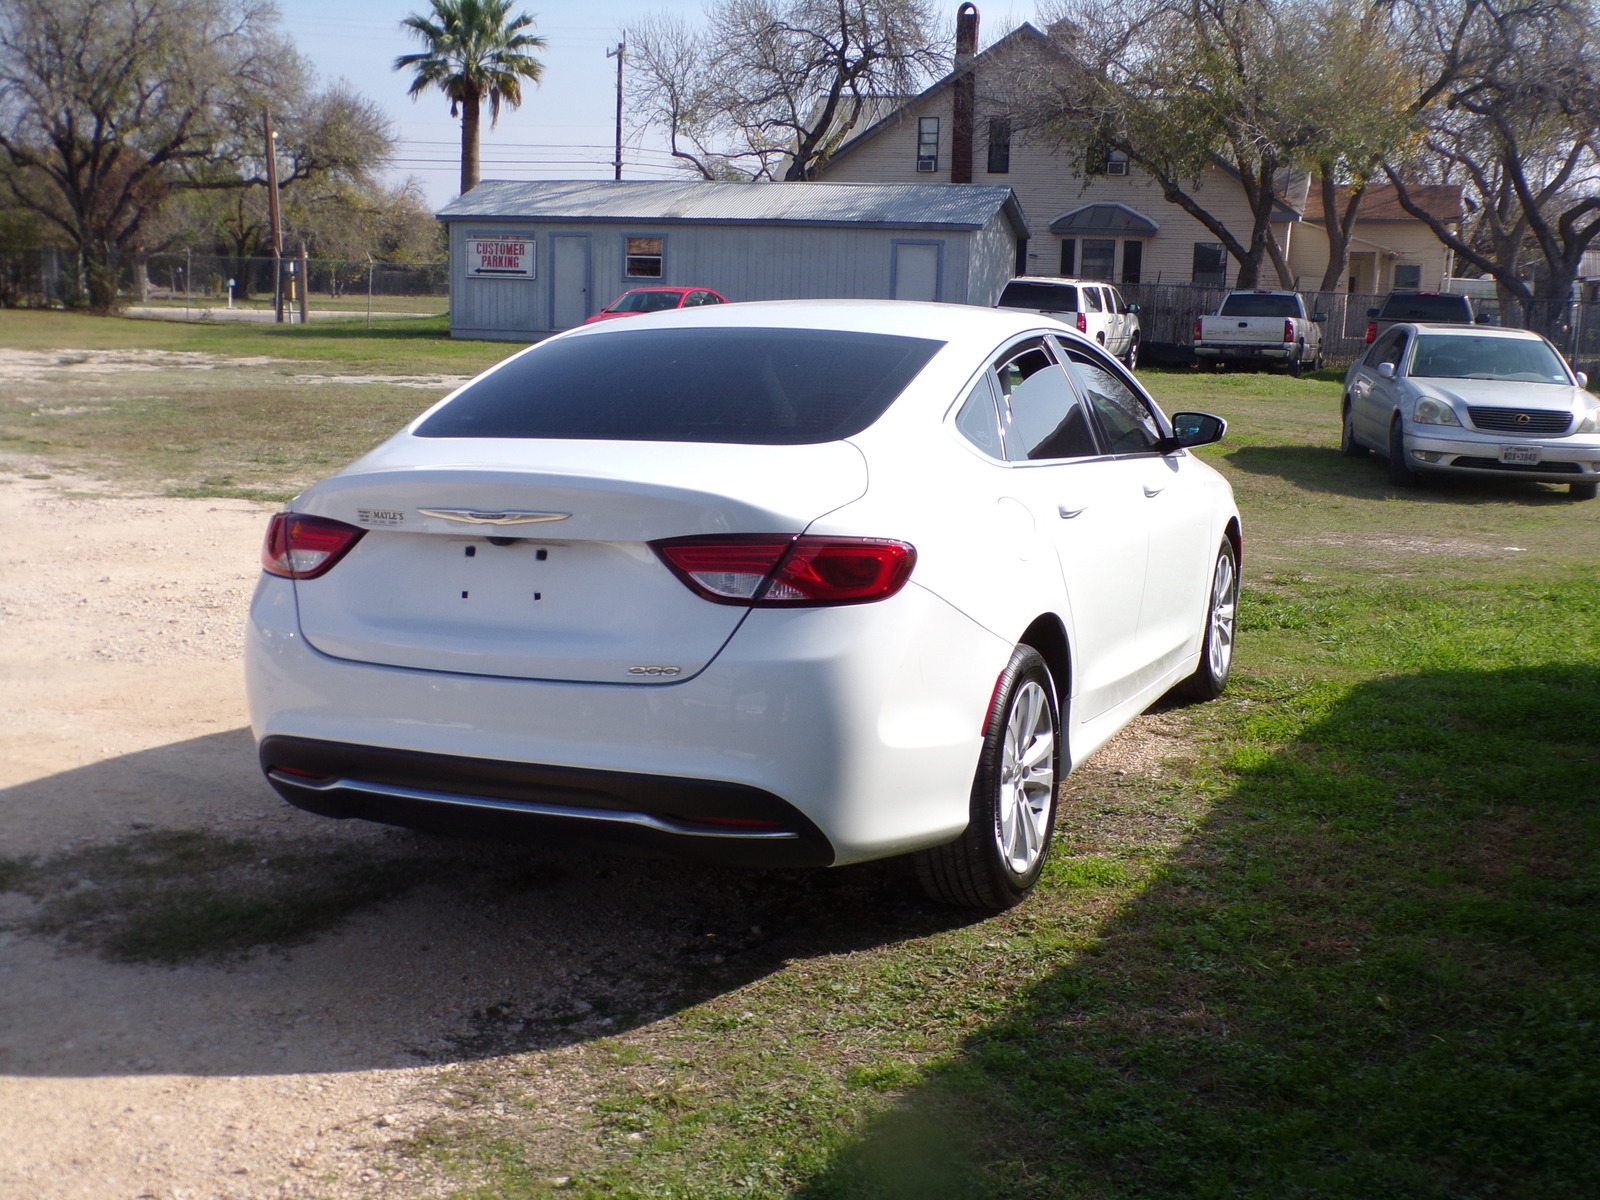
(1518, 124)
(107, 110)
(772, 87)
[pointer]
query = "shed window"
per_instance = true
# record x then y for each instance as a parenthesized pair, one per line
(644, 258)
(928, 145)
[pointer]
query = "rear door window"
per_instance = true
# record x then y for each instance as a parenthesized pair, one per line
(1041, 413)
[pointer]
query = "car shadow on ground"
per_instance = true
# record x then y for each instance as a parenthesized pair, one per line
(1324, 469)
(394, 947)
(1363, 975)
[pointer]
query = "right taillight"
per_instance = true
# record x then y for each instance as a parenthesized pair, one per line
(302, 547)
(1372, 332)
(772, 571)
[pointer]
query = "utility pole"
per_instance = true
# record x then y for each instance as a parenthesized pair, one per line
(272, 215)
(617, 54)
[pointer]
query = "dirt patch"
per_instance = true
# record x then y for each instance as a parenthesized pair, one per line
(431, 383)
(37, 366)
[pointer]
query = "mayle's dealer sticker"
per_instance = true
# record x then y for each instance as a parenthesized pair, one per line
(380, 516)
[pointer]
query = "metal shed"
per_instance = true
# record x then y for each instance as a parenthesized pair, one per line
(528, 258)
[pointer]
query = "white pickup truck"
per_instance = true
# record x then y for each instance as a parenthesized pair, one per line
(1260, 327)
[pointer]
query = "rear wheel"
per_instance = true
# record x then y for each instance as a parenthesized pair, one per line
(1583, 491)
(1216, 644)
(1400, 472)
(1297, 364)
(1131, 359)
(1348, 446)
(997, 860)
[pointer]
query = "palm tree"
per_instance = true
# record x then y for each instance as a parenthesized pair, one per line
(474, 50)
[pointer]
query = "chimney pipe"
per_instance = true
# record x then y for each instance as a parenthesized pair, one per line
(962, 100)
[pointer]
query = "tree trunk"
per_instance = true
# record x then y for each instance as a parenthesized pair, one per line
(1339, 226)
(469, 143)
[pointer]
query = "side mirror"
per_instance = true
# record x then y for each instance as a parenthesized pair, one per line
(1319, 317)
(1583, 379)
(1134, 308)
(1385, 370)
(1192, 429)
(1372, 312)
(1483, 319)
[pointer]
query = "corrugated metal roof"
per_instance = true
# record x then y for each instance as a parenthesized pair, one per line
(902, 205)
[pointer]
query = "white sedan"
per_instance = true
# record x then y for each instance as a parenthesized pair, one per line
(1466, 400)
(799, 583)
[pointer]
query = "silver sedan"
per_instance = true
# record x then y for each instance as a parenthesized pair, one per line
(1472, 401)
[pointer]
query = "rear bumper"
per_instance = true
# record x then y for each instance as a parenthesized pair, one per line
(690, 818)
(855, 728)
(1274, 353)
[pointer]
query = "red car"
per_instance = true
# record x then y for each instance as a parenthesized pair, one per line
(656, 299)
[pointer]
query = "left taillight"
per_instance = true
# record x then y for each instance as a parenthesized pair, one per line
(766, 571)
(302, 547)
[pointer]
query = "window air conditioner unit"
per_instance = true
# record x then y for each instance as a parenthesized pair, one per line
(927, 165)
(1117, 166)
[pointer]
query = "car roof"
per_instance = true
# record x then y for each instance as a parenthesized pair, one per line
(664, 287)
(908, 318)
(1456, 330)
(1058, 279)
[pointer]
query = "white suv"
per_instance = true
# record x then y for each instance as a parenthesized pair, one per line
(1095, 309)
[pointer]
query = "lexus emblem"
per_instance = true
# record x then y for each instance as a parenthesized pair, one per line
(1524, 419)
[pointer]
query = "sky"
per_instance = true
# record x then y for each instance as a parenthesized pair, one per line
(566, 127)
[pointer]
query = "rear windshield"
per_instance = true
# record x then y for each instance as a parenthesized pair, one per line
(773, 387)
(1244, 304)
(1042, 297)
(1427, 308)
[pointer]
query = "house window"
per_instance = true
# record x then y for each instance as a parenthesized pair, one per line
(1116, 163)
(644, 258)
(927, 145)
(1132, 261)
(1210, 264)
(1099, 256)
(1069, 256)
(999, 145)
(1407, 277)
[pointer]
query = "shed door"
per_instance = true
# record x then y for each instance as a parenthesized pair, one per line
(916, 271)
(569, 280)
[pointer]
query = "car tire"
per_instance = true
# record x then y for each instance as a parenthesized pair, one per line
(1131, 359)
(1348, 446)
(1400, 474)
(1210, 678)
(1583, 491)
(1297, 364)
(997, 859)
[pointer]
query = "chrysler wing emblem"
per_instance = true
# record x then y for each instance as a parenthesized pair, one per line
(472, 516)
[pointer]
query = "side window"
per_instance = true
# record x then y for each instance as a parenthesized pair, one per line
(1129, 424)
(977, 420)
(1390, 348)
(1117, 303)
(1041, 414)
(1093, 297)
(696, 299)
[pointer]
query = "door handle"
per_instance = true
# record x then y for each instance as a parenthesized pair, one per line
(1067, 514)
(1153, 491)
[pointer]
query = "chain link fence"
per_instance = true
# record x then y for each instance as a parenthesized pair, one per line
(214, 284)
(1168, 311)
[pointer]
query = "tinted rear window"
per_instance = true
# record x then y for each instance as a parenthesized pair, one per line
(1041, 297)
(1427, 308)
(775, 387)
(1245, 305)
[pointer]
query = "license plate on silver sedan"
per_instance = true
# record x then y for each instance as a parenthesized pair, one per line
(1523, 455)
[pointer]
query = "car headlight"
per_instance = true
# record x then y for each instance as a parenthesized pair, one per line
(1434, 412)
(1589, 422)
